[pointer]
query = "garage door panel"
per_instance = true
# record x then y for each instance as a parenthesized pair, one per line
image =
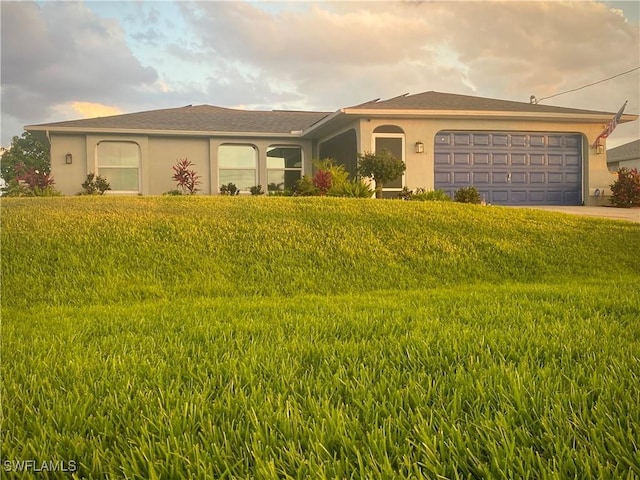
(481, 159)
(462, 158)
(443, 159)
(462, 178)
(481, 139)
(571, 160)
(511, 167)
(519, 177)
(443, 178)
(481, 178)
(500, 159)
(536, 159)
(555, 159)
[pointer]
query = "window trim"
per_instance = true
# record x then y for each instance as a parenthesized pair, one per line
(97, 166)
(255, 167)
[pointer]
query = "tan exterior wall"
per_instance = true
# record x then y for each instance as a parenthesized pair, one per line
(157, 156)
(420, 166)
(159, 153)
(68, 177)
(164, 152)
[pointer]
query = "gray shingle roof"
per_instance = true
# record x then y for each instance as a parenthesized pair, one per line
(628, 151)
(450, 101)
(202, 118)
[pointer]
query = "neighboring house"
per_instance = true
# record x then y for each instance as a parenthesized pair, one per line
(627, 156)
(512, 152)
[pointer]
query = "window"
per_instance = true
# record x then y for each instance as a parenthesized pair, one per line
(237, 165)
(284, 167)
(119, 163)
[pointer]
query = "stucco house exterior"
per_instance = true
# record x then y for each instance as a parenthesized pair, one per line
(627, 156)
(512, 152)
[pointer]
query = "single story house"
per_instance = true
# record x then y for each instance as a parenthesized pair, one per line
(512, 152)
(627, 156)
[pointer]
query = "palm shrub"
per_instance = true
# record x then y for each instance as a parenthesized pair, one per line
(424, 195)
(382, 167)
(626, 189)
(352, 189)
(467, 195)
(186, 177)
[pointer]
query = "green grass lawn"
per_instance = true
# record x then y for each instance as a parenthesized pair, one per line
(216, 337)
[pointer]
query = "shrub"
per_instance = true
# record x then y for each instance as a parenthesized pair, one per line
(30, 182)
(467, 195)
(95, 185)
(173, 193)
(424, 195)
(353, 189)
(382, 167)
(406, 194)
(305, 187)
(185, 177)
(229, 189)
(323, 181)
(256, 190)
(626, 189)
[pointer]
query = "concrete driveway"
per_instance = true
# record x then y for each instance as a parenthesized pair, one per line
(630, 214)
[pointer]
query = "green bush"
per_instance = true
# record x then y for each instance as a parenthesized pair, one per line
(95, 185)
(424, 195)
(467, 195)
(626, 189)
(229, 189)
(352, 189)
(256, 190)
(382, 167)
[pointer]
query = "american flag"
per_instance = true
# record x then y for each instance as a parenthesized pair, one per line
(608, 130)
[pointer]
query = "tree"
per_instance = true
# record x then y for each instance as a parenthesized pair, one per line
(382, 167)
(28, 152)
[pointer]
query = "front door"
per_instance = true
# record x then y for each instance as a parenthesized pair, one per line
(394, 143)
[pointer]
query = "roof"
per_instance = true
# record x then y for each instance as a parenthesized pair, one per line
(449, 101)
(200, 118)
(211, 120)
(628, 151)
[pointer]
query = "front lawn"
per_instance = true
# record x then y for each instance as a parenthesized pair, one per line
(318, 338)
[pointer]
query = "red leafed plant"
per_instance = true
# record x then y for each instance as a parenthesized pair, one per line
(33, 177)
(323, 180)
(185, 177)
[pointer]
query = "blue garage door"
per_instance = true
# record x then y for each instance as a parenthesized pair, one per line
(511, 168)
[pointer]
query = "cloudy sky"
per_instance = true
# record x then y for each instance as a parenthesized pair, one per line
(69, 60)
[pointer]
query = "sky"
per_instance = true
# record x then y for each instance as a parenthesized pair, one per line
(63, 60)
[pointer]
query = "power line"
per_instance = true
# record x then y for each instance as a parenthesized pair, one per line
(535, 100)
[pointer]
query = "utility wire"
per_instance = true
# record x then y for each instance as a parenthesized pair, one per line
(535, 100)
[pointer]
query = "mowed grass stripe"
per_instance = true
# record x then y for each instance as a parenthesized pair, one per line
(82, 251)
(474, 381)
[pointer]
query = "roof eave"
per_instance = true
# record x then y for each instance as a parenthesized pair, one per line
(483, 114)
(160, 132)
